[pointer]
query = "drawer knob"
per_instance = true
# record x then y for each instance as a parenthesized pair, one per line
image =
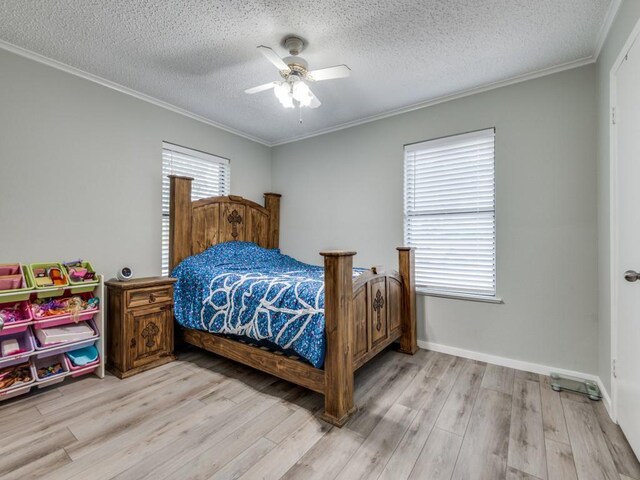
(152, 298)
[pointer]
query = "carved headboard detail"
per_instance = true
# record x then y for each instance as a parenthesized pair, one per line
(234, 218)
(195, 226)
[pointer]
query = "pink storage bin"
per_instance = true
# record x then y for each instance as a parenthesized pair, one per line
(84, 369)
(25, 342)
(20, 389)
(44, 362)
(10, 282)
(49, 350)
(18, 325)
(57, 320)
(22, 291)
(65, 319)
(11, 277)
(10, 269)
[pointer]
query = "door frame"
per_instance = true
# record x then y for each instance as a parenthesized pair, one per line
(613, 217)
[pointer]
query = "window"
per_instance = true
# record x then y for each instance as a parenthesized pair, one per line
(449, 213)
(211, 178)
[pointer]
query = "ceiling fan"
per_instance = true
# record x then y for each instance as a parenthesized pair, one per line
(293, 89)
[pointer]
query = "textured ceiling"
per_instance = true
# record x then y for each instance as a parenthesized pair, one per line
(200, 55)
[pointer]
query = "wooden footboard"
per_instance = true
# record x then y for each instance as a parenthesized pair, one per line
(362, 315)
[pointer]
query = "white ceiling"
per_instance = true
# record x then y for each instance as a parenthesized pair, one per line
(200, 55)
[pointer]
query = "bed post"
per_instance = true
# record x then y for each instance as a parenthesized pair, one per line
(179, 219)
(272, 203)
(338, 312)
(408, 339)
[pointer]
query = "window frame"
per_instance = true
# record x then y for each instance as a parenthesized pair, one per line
(444, 293)
(222, 162)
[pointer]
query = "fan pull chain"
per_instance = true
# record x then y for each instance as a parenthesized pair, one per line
(300, 113)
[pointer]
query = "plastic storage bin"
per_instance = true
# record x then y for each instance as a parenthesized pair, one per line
(80, 286)
(20, 292)
(48, 290)
(20, 388)
(26, 344)
(77, 371)
(63, 334)
(24, 309)
(45, 381)
(11, 277)
(56, 320)
(10, 282)
(47, 351)
(10, 269)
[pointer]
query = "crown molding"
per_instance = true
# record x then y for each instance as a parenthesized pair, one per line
(446, 98)
(610, 16)
(23, 52)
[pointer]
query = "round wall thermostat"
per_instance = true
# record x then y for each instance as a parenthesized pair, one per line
(124, 274)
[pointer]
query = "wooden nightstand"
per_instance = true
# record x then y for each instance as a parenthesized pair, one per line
(139, 324)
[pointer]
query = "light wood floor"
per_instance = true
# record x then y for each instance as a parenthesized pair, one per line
(430, 416)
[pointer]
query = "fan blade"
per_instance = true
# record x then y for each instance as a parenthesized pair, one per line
(315, 103)
(274, 58)
(261, 88)
(329, 73)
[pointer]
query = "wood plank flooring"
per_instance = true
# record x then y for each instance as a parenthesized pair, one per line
(428, 416)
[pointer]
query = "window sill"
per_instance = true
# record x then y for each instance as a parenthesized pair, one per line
(459, 296)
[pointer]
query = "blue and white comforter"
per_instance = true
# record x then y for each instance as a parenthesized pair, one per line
(239, 288)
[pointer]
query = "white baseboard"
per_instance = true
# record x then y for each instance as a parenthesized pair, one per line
(606, 399)
(518, 365)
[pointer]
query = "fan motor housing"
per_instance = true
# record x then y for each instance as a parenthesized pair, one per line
(298, 66)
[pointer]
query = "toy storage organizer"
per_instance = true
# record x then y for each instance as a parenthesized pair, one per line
(22, 333)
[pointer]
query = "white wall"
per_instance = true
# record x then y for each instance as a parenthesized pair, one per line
(628, 16)
(80, 168)
(344, 190)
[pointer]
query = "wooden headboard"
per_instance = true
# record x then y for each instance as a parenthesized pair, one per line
(195, 226)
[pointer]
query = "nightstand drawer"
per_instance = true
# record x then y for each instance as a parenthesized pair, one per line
(149, 296)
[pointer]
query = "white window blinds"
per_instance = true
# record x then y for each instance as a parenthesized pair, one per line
(211, 178)
(449, 213)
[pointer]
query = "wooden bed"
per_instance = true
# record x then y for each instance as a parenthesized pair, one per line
(362, 316)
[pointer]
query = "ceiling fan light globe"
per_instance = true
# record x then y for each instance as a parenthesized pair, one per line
(301, 92)
(287, 102)
(282, 92)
